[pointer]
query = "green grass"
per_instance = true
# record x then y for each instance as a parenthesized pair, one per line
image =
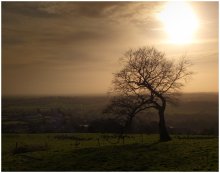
(83, 152)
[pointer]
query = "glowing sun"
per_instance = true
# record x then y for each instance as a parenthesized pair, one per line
(180, 22)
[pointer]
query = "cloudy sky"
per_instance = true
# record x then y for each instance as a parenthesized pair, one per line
(72, 48)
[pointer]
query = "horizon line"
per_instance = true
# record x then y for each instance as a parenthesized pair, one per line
(88, 95)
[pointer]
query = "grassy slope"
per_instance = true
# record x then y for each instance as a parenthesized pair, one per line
(185, 154)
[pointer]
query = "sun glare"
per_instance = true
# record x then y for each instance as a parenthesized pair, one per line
(180, 22)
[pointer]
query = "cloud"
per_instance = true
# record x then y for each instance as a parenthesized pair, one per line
(24, 8)
(61, 38)
(82, 9)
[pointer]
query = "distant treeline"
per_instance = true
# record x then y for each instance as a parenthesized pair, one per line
(192, 114)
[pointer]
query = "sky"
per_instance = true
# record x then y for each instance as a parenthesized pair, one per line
(72, 48)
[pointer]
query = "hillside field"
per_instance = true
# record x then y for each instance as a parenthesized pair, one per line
(107, 152)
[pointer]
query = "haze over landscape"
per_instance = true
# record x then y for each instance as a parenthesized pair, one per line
(69, 104)
(69, 48)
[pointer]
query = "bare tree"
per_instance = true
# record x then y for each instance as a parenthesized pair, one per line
(148, 80)
(125, 108)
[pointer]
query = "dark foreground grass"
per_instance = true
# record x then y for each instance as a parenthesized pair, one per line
(180, 154)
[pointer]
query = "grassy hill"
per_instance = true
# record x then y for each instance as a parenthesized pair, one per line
(106, 152)
(194, 116)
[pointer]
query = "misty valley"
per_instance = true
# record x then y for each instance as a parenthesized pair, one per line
(192, 114)
(73, 134)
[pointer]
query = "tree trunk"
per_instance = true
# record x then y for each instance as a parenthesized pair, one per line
(128, 125)
(164, 135)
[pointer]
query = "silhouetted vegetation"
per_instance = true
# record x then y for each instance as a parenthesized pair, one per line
(92, 151)
(147, 80)
(195, 114)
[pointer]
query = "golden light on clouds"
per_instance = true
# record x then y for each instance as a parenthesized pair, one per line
(180, 22)
(62, 48)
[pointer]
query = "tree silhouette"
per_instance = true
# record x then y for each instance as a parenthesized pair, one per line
(125, 107)
(148, 80)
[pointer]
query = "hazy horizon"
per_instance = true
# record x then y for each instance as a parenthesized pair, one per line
(93, 95)
(72, 48)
